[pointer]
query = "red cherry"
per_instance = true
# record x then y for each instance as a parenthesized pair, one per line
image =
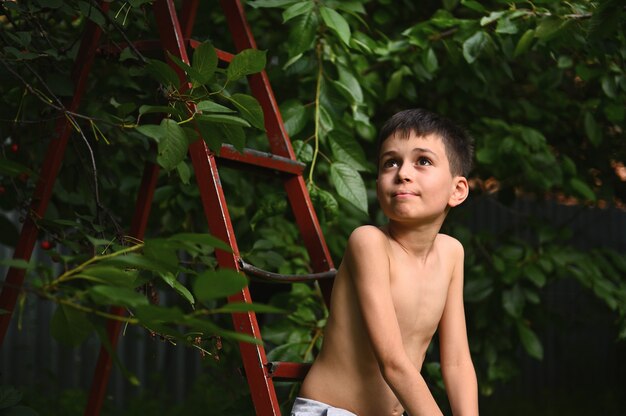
(2, 189)
(46, 245)
(15, 147)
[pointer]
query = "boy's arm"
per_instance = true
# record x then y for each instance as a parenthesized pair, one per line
(456, 363)
(368, 263)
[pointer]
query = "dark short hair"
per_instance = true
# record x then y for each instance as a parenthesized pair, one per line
(458, 143)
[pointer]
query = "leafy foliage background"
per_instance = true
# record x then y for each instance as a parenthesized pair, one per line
(540, 85)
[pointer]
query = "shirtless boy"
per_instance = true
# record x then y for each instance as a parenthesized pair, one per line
(400, 283)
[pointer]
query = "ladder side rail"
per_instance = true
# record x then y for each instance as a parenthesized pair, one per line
(48, 174)
(139, 223)
(216, 212)
(188, 14)
(259, 83)
(299, 197)
(138, 227)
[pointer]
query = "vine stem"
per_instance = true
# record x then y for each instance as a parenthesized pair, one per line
(82, 308)
(318, 89)
(318, 333)
(68, 274)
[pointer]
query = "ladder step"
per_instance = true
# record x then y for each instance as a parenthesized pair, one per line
(287, 371)
(266, 276)
(155, 45)
(261, 159)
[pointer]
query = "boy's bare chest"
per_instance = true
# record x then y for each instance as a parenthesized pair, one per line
(419, 294)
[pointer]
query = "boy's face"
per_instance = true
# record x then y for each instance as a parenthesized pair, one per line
(414, 179)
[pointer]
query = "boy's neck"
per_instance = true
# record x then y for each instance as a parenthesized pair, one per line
(417, 240)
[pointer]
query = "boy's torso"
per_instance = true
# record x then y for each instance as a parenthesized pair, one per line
(345, 373)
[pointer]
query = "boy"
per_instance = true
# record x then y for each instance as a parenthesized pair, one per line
(400, 283)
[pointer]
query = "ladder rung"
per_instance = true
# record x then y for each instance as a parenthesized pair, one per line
(262, 159)
(288, 371)
(283, 278)
(155, 45)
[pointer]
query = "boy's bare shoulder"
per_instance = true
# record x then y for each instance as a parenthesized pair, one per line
(450, 245)
(367, 234)
(367, 239)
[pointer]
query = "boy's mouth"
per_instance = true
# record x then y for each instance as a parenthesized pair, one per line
(401, 194)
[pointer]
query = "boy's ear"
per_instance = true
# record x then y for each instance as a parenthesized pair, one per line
(460, 191)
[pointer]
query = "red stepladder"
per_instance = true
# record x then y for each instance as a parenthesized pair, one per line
(175, 38)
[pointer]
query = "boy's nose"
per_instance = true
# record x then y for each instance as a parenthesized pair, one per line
(404, 174)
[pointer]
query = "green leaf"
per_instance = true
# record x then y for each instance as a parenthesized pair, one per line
(565, 62)
(506, 26)
(70, 326)
(349, 185)
(202, 240)
(250, 109)
(345, 91)
(392, 90)
(17, 263)
(337, 23)
(213, 107)
(172, 146)
(184, 66)
(222, 118)
(246, 62)
(535, 275)
(474, 5)
(162, 73)
(93, 13)
(474, 45)
(530, 341)
(297, 9)
(609, 86)
(149, 109)
(234, 135)
(476, 290)
(346, 149)
(162, 251)
(158, 314)
(326, 121)
(136, 261)
(429, 60)
(594, 133)
(216, 284)
(303, 151)
(615, 112)
(513, 301)
(493, 16)
(13, 169)
(153, 131)
(548, 28)
(582, 189)
(294, 116)
(302, 35)
(172, 282)
(21, 38)
(111, 275)
(204, 63)
(118, 296)
(568, 165)
(270, 3)
(211, 134)
(183, 172)
(349, 80)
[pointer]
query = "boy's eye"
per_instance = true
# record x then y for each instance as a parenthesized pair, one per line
(424, 161)
(390, 163)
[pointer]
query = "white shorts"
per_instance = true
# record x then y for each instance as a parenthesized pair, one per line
(308, 407)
